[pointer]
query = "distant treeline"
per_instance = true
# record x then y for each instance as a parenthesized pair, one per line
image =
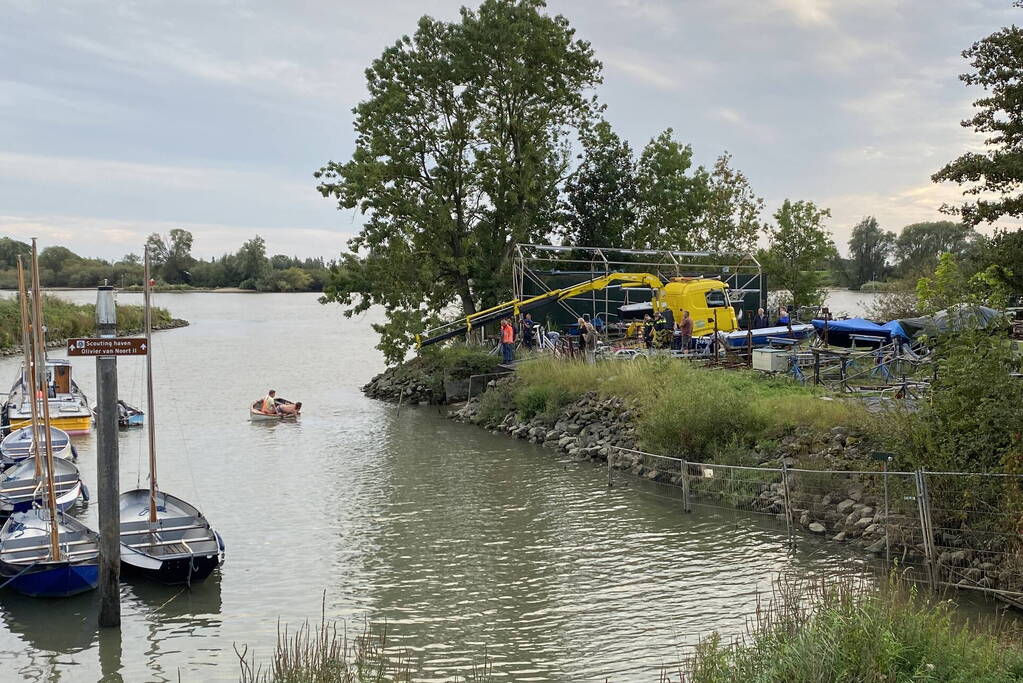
(172, 264)
(877, 255)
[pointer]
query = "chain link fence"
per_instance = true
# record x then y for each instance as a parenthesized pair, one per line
(955, 529)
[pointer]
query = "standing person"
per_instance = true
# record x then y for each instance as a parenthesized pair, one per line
(507, 341)
(687, 331)
(527, 331)
(648, 331)
(760, 320)
(783, 316)
(676, 336)
(587, 340)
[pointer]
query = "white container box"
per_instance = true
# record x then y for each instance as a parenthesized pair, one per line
(771, 360)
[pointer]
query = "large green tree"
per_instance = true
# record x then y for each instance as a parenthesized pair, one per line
(919, 245)
(10, 249)
(731, 222)
(870, 249)
(671, 195)
(171, 257)
(800, 244)
(601, 196)
(993, 177)
(462, 147)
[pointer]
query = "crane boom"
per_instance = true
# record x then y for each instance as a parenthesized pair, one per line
(520, 306)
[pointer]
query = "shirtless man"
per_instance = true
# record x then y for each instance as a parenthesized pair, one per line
(290, 409)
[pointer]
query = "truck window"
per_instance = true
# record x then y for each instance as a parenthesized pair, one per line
(716, 298)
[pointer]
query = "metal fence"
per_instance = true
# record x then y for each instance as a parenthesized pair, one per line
(955, 529)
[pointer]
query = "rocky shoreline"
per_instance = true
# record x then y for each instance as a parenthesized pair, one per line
(16, 350)
(842, 508)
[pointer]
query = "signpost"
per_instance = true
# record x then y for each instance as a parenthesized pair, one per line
(107, 346)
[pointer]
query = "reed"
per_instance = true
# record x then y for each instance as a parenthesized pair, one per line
(846, 630)
(326, 653)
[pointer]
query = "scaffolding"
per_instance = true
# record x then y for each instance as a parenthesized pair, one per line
(535, 265)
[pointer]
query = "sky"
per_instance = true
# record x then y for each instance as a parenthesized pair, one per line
(119, 119)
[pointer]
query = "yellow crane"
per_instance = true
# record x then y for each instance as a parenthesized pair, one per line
(706, 299)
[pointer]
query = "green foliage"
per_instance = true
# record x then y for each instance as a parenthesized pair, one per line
(65, 319)
(459, 361)
(949, 286)
(685, 410)
(601, 196)
(919, 245)
(799, 245)
(994, 176)
(461, 147)
(670, 198)
(847, 633)
(1002, 257)
(870, 248)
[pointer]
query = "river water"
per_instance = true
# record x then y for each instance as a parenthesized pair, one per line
(464, 542)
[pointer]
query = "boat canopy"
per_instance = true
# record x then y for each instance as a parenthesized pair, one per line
(952, 319)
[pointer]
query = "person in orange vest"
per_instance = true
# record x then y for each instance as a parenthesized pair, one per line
(507, 341)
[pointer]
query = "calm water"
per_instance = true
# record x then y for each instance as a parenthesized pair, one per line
(461, 540)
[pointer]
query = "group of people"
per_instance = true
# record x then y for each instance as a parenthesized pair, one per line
(270, 406)
(761, 320)
(657, 332)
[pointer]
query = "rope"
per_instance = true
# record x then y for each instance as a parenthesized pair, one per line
(8, 581)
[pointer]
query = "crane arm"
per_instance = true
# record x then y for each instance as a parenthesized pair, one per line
(520, 306)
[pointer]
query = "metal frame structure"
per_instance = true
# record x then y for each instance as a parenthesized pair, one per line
(592, 262)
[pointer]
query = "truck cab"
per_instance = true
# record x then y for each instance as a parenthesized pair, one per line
(706, 299)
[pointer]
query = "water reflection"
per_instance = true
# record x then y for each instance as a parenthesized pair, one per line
(51, 632)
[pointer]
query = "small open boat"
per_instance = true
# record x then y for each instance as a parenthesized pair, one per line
(21, 489)
(28, 565)
(18, 445)
(256, 413)
(761, 336)
(179, 548)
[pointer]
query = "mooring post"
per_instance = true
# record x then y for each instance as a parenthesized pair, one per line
(685, 487)
(610, 481)
(788, 504)
(108, 471)
(924, 506)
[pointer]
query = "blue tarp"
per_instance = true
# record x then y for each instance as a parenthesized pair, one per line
(839, 330)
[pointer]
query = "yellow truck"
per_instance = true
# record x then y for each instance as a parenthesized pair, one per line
(706, 299)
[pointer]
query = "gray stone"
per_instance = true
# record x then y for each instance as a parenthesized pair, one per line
(864, 522)
(846, 505)
(876, 547)
(817, 528)
(840, 537)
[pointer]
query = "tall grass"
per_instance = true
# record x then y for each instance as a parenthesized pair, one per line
(686, 410)
(65, 319)
(850, 631)
(325, 653)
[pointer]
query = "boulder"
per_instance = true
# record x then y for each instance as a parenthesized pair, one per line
(816, 528)
(846, 505)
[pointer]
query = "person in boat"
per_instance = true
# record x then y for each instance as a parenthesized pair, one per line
(760, 320)
(270, 403)
(290, 408)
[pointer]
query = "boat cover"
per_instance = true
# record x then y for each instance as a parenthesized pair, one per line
(950, 319)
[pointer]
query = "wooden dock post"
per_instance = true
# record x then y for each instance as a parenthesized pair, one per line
(107, 466)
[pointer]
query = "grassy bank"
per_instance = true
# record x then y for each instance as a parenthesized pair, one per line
(65, 319)
(682, 409)
(849, 632)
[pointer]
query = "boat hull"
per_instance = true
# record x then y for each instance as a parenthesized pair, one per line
(51, 580)
(761, 337)
(76, 425)
(175, 571)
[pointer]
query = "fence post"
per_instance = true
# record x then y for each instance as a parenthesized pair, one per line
(685, 487)
(887, 522)
(788, 504)
(610, 481)
(924, 506)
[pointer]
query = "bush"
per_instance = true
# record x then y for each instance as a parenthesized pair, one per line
(64, 319)
(849, 632)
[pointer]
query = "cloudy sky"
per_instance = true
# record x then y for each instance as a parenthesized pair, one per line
(118, 119)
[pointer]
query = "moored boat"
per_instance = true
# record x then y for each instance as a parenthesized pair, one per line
(19, 445)
(22, 488)
(180, 547)
(28, 565)
(163, 537)
(68, 404)
(127, 415)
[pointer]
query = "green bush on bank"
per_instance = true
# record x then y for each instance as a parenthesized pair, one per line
(843, 632)
(65, 319)
(683, 410)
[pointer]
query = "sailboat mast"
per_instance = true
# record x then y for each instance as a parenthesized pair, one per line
(51, 495)
(30, 370)
(151, 417)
